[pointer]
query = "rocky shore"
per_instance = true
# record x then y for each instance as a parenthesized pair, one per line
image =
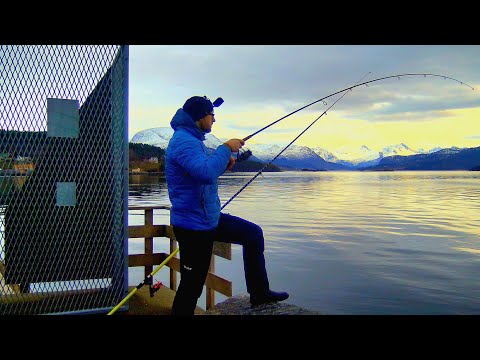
(240, 305)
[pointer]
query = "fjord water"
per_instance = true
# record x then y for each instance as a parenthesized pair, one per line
(403, 242)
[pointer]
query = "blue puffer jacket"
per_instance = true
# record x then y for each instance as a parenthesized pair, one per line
(192, 175)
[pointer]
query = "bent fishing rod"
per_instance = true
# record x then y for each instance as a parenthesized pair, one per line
(248, 153)
(286, 147)
(352, 87)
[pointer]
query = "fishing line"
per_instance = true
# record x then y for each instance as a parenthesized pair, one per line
(286, 147)
(344, 91)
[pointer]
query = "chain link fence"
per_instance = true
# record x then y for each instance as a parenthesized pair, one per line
(63, 178)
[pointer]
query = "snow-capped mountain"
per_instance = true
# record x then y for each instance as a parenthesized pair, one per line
(354, 156)
(399, 149)
(452, 158)
(296, 156)
(452, 150)
(424, 151)
(325, 154)
(157, 137)
(364, 156)
(267, 152)
(161, 136)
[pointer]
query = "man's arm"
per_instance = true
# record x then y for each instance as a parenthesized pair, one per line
(206, 169)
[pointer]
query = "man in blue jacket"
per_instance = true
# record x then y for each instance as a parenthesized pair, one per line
(192, 173)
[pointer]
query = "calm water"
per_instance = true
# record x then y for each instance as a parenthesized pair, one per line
(351, 242)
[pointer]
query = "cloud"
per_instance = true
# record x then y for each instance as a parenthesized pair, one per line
(263, 83)
(294, 75)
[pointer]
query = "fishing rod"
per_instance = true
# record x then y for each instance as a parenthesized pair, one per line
(244, 155)
(248, 153)
(352, 87)
(286, 147)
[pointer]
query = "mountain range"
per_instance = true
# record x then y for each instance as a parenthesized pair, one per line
(296, 157)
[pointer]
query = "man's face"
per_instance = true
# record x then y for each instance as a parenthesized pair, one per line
(205, 123)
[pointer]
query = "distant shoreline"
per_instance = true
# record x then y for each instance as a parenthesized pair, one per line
(147, 173)
(161, 173)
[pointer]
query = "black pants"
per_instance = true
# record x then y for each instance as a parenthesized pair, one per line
(195, 255)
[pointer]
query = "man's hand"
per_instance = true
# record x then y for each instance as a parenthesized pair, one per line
(231, 163)
(235, 144)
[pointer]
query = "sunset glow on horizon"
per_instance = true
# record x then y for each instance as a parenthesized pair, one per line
(262, 85)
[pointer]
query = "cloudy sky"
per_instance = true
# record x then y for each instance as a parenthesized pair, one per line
(262, 83)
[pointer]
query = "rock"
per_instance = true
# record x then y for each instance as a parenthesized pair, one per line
(240, 305)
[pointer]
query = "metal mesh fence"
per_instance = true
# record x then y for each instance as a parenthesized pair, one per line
(63, 178)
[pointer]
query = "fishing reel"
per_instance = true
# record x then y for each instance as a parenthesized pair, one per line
(243, 155)
(155, 288)
(149, 281)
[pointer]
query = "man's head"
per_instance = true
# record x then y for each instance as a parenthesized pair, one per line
(200, 109)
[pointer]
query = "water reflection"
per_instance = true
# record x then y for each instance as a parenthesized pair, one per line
(358, 242)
